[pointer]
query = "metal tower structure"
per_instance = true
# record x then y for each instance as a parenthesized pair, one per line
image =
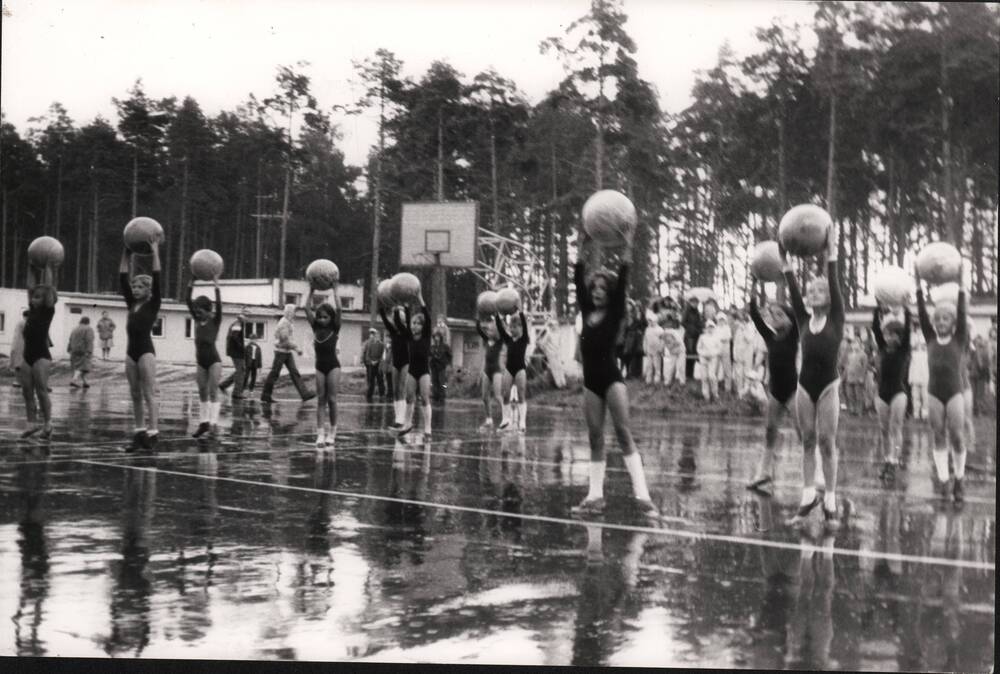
(503, 261)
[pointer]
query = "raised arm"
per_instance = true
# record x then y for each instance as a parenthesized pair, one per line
(925, 321)
(798, 306)
(336, 309)
(502, 330)
(908, 322)
(310, 316)
(580, 280)
(401, 328)
(961, 318)
(525, 335)
(877, 328)
(124, 282)
(187, 298)
(758, 321)
(218, 303)
(479, 329)
(616, 301)
(833, 276)
(389, 327)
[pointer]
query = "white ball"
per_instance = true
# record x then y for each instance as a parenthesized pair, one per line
(893, 286)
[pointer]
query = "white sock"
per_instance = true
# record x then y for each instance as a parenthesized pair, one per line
(216, 411)
(153, 431)
(523, 413)
(808, 495)
(427, 418)
(408, 413)
(396, 414)
(830, 501)
(633, 462)
(596, 480)
(941, 463)
(958, 459)
(140, 429)
(506, 413)
(204, 413)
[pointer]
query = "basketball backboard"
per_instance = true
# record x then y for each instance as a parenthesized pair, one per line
(438, 232)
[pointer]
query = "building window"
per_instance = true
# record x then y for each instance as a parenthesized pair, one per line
(188, 328)
(293, 298)
(157, 330)
(3, 321)
(346, 302)
(76, 310)
(253, 329)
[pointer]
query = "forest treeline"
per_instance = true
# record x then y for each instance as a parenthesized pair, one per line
(890, 121)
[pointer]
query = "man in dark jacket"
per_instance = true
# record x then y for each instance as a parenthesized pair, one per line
(440, 362)
(371, 352)
(235, 349)
(692, 331)
(253, 360)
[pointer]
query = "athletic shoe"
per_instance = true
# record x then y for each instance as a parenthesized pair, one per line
(307, 397)
(46, 434)
(830, 521)
(803, 512)
(504, 425)
(486, 426)
(762, 484)
(73, 384)
(320, 441)
(138, 441)
(150, 440)
(593, 506)
(647, 507)
(31, 431)
(404, 430)
(944, 489)
(268, 399)
(86, 385)
(958, 491)
(203, 427)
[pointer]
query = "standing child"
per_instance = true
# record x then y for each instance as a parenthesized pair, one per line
(106, 333)
(417, 331)
(855, 370)
(946, 345)
(893, 341)
(817, 401)
(918, 377)
(142, 297)
(42, 300)
(254, 361)
(209, 365)
(708, 358)
(517, 341)
(781, 337)
(81, 351)
(325, 322)
(399, 352)
(491, 384)
(652, 347)
(724, 365)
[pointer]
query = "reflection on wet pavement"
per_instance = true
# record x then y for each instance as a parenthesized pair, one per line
(459, 548)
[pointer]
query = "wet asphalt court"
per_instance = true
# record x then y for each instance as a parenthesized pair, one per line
(461, 549)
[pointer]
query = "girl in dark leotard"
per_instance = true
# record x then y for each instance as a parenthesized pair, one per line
(946, 341)
(34, 372)
(325, 322)
(817, 400)
(418, 382)
(209, 366)
(893, 341)
(142, 297)
(781, 336)
(399, 346)
(517, 341)
(602, 306)
(492, 380)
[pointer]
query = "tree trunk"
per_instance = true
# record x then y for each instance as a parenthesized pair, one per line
(260, 218)
(79, 248)
(182, 235)
(947, 186)
(377, 227)
(782, 176)
(831, 155)
(494, 192)
(135, 181)
(3, 242)
(59, 181)
(550, 229)
(92, 275)
(284, 233)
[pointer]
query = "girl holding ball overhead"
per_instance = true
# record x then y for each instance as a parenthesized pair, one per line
(517, 340)
(209, 365)
(601, 297)
(34, 370)
(325, 322)
(399, 349)
(946, 334)
(417, 330)
(142, 297)
(817, 400)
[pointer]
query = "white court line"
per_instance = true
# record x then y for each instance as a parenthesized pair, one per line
(679, 533)
(579, 465)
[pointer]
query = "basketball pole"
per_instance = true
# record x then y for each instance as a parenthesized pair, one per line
(439, 291)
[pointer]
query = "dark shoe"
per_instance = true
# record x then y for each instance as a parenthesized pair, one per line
(762, 484)
(830, 521)
(236, 397)
(31, 431)
(203, 427)
(404, 430)
(46, 434)
(138, 441)
(803, 511)
(266, 399)
(307, 397)
(86, 385)
(149, 442)
(958, 492)
(589, 507)
(944, 489)
(648, 508)
(73, 384)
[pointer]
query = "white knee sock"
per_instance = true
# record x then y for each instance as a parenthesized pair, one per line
(830, 501)
(205, 411)
(522, 409)
(427, 418)
(214, 409)
(633, 462)
(408, 413)
(596, 480)
(941, 463)
(808, 495)
(506, 413)
(958, 459)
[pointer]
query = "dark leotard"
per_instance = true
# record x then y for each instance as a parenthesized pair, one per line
(945, 361)
(399, 342)
(820, 350)
(597, 342)
(491, 363)
(36, 334)
(515, 348)
(325, 343)
(205, 334)
(781, 352)
(419, 349)
(139, 326)
(894, 367)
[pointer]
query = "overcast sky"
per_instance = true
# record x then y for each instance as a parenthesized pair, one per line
(83, 52)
